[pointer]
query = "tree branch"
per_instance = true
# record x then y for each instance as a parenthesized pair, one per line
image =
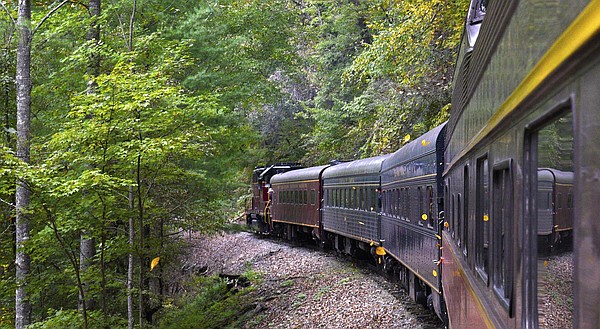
(48, 16)
(8, 13)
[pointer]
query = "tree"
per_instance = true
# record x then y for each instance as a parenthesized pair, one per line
(23, 82)
(394, 83)
(88, 243)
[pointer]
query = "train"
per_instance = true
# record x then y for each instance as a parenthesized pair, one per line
(491, 218)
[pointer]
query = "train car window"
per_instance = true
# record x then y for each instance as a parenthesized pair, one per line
(420, 202)
(395, 201)
(389, 200)
(406, 204)
(305, 196)
(452, 217)
(350, 196)
(430, 221)
(465, 212)
(482, 224)
(313, 197)
(373, 199)
(478, 9)
(551, 253)
(459, 224)
(502, 220)
(401, 203)
(360, 200)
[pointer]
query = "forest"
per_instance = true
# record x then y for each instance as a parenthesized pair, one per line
(126, 123)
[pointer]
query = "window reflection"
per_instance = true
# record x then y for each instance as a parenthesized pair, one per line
(555, 224)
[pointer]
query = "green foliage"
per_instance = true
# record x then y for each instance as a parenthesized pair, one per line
(199, 92)
(239, 45)
(214, 307)
(71, 319)
(395, 82)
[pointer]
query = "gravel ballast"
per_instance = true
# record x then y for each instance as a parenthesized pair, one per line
(305, 287)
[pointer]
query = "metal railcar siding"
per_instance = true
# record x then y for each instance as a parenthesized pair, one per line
(359, 224)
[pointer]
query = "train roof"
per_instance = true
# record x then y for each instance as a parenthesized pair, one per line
(356, 168)
(424, 144)
(551, 174)
(265, 172)
(311, 173)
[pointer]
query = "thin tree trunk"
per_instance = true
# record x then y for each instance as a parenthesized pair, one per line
(130, 315)
(130, 264)
(23, 83)
(88, 243)
(141, 237)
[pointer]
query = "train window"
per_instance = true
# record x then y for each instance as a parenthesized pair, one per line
(313, 197)
(551, 251)
(430, 221)
(373, 199)
(482, 225)
(395, 197)
(305, 197)
(420, 202)
(452, 217)
(503, 237)
(408, 203)
(465, 212)
(459, 223)
(400, 200)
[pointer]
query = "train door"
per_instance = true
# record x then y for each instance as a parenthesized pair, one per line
(548, 254)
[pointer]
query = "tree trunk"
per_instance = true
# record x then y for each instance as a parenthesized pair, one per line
(130, 264)
(23, 83)
(88, 243)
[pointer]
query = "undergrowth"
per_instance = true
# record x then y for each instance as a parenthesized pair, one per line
(215, 305)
